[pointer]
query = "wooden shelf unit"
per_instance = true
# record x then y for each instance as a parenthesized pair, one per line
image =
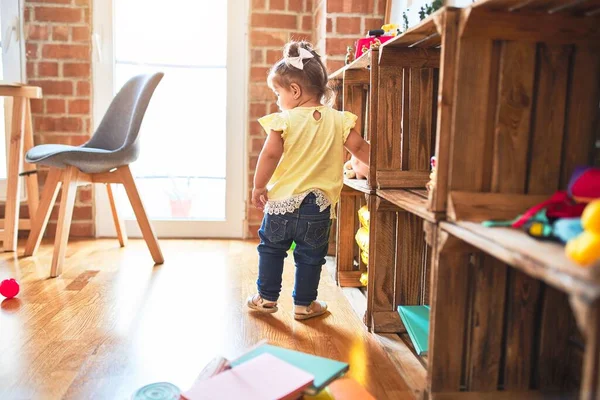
(505, 94)
(510, 313)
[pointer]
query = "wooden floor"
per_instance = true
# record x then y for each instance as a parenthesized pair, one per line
(112, 322)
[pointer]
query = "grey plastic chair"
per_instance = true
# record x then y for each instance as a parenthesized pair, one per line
(105, 158)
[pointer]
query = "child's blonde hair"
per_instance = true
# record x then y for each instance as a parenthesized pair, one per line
(312, 78)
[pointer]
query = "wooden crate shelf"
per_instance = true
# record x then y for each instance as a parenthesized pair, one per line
(542, 260)
(360, 185)
(410, 201)
(361, 63)
(505, 95)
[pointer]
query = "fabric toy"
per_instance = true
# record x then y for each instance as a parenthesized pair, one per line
(348, 171)
(584, 185)
(354, 169)
(585, 248)
(560, 205)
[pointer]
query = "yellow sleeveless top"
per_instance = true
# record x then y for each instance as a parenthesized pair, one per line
(313, 157)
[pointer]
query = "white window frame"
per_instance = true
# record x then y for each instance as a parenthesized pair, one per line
(237, 95)
(14, 65)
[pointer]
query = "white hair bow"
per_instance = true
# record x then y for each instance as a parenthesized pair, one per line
(298, 61)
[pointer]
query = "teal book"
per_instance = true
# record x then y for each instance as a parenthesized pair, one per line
(324, 370)
(416, 321)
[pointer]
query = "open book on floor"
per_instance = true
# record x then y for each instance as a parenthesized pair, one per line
(324, 370)
(262, 377)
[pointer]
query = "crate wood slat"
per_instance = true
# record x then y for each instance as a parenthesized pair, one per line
(590, 388)
(426, 30)
(542, 260)
(530, 27)
(485, 354)
(361, 62)
(512, 120)
(560, 7)
(382, 256)
(475, 67)
(373, 115)
(389, 131)
(409, 57)
(478, 207)
(448, 317)
(382, 259)
(582, 111)
(359, 185)
(349, 278)
(523, 300)
(345, 236)
(448, 22)
(549, 125)
(409, 366)
(421, 118)
(410, 248)
(554, 373)
(387, 322)
(355, 101)
(409, 201)
(387, 179)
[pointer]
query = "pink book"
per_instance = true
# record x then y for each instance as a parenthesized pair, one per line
(265, 377)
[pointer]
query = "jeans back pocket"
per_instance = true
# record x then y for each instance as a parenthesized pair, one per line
(275, 228)
(317, 233)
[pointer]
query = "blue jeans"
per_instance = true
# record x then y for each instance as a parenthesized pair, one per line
(309, 228)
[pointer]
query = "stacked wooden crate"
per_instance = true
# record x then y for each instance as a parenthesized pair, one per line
(505, 94)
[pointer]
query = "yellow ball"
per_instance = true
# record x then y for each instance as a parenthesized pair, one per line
(590, 219)
(584, 249)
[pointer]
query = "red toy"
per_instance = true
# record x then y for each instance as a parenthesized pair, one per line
(9, 288)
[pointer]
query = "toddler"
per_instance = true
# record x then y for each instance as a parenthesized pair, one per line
(299, 177)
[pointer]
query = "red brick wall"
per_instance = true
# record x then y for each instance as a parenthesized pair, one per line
(272, 24)
(346, 20)
(58, 47)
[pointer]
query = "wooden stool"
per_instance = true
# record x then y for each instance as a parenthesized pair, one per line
(21, 140)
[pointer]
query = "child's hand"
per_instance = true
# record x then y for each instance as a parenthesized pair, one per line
(259, 197)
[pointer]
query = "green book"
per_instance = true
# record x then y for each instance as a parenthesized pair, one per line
(324, 370)
(416, 321)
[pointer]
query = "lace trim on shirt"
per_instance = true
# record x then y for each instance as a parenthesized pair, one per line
(291, 204)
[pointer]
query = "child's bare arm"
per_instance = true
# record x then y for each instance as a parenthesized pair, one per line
(267, 162)
(358, 147)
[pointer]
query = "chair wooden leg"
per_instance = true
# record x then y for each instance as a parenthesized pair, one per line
(40, 219)
(67, 202)
(13, 187)
(33, 193)
(119, 225)
(140, 214)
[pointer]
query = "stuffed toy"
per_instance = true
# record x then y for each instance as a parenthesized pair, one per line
(354, 169)
(348, 171)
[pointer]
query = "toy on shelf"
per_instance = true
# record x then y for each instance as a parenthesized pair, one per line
(348, 171)
(585, 248)
(349, 55)
(9, 288)
(432, 176)
(374, 39)
(390, 29)
(362, 239)
(571, 217)
(354, 169)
